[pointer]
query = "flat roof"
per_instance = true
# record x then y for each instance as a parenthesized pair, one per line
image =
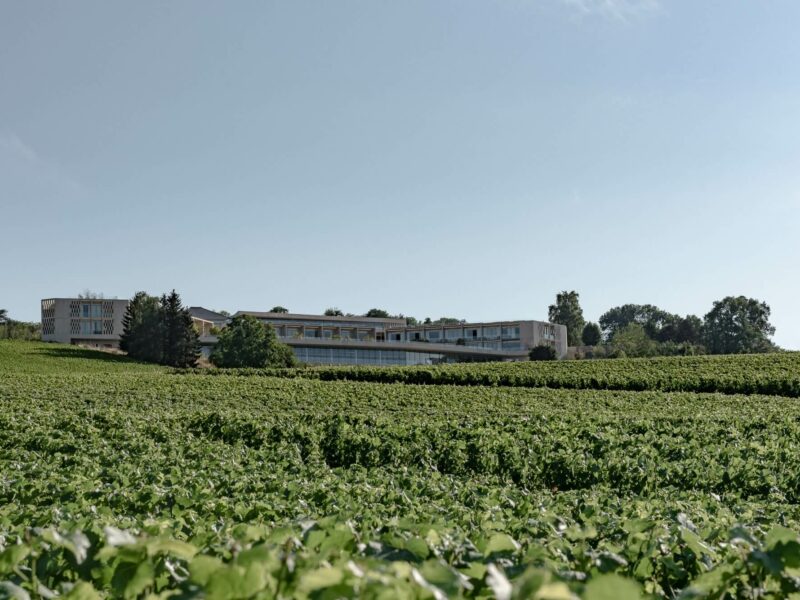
(334, 319)
(89, 299)
(461, 325)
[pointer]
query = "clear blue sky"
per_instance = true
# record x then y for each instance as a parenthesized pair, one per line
(455, 157)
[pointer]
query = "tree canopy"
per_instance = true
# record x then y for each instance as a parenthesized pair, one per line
(632, 340)
(591, 334)
(737, 325)
(567, 311)
(279, 309)
(159, 330)
(142, 329)
(333, 312)
(650, 317)
(247, 342)
(18, 330)
(543, 352)
(448, 321)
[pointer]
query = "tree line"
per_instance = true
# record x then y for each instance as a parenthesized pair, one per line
(734, 325)
(11, 329)
(379, 313)
(160, 330)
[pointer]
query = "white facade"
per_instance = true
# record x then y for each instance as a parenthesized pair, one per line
(84, 321)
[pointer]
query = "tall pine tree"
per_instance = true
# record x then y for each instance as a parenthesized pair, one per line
(180, 346)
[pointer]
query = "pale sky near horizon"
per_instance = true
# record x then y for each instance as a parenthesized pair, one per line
(461, 158)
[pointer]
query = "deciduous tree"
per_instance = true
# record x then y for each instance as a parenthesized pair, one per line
(737, 325)
(543, 352)
(633, 341)
(650, 317)
(567, 311)
(247, 342)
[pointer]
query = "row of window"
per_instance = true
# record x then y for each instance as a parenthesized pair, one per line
(466, 333)
(548, 332)
(91, 310)
(91, 327)
(352, 356)
(327, 333)
(326, 329)
(333, 324)
(358, 356)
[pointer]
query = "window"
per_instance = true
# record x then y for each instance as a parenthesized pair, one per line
(86, 310)
(454, 334)
(97, 311)
(511, 332)
(311, 333)
(491, 333)
(433, 335)
(471, 333)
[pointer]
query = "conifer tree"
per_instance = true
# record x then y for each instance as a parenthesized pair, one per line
(142, 329)
(180, 346)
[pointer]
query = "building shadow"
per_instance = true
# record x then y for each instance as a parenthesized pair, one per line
(82, 353)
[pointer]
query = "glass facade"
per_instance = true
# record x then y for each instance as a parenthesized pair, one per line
(358, 356)
(491, 333)
(484, 336)
(454, 334)
(89, 327)
(90, 318)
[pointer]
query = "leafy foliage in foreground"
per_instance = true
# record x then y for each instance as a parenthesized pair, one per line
(138, 482)
(774, 374)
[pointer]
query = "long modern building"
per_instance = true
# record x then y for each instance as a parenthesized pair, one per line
(322, 339)
(319, 339)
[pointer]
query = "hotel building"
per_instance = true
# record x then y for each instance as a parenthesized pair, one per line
(319, 339)
(369, 341)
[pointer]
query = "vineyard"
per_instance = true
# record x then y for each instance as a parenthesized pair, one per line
(668, 478)
(776, 374)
